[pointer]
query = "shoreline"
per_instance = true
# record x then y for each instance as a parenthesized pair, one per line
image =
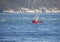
(31, 13)
(27, 10)
(47, 11)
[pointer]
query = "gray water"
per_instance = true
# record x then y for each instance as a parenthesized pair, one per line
(19, 27)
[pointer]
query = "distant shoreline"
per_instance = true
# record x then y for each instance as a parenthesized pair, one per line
(31, 13)
(26, 10)
(17, 12)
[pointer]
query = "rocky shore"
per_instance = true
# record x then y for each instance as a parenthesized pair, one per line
(26, 10)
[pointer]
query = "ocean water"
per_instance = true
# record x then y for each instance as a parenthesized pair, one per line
(19, 27)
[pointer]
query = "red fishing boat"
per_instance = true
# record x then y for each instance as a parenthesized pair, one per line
(37, 22)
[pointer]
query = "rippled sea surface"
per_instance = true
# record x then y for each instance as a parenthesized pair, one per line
(19, 27)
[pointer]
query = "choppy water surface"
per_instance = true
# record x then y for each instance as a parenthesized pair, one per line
(19, 27)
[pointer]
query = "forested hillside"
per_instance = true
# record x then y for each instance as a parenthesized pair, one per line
(31, 4)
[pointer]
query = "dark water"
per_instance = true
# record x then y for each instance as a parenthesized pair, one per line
(19, 28)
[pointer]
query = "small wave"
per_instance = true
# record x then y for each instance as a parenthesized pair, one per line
(42, 18)
(53, 19)
(50, 19)
(3, 20)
